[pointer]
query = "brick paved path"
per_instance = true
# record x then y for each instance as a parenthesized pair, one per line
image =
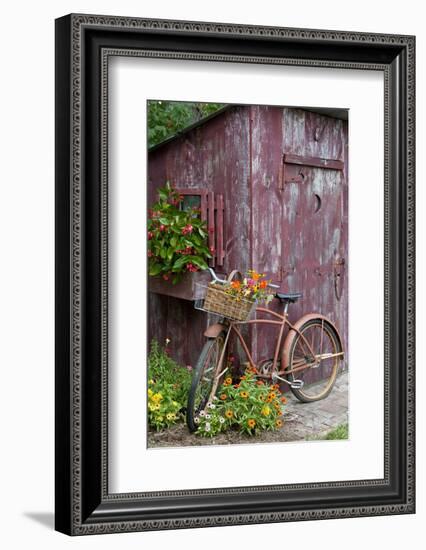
(316, 419)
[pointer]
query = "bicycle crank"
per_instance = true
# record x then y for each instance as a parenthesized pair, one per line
(295, 384)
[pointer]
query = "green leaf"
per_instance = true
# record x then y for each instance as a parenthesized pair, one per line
(162, 194)
(180, 262)
(155, 269)
(196, 240)
(198, 261)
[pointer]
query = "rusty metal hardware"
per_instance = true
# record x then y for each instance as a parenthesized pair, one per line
(339, 272)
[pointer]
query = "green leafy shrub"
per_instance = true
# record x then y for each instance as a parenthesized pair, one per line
(168, 386)
(177, 239)
(166, 118)
(249, 406)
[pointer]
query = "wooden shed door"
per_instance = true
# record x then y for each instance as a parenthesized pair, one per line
(314, 240)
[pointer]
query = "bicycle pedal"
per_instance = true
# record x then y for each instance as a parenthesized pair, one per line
(297, 384)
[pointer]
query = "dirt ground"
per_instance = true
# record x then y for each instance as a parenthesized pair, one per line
(301, 421)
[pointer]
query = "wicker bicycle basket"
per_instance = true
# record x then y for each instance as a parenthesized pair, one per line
(218, 301)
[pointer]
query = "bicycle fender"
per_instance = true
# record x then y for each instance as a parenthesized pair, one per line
(213, 331)
(285, 355)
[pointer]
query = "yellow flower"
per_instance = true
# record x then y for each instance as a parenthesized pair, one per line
(251, 422)
(266, 411)
(150, 392)
(244, 394)
(272, 395)
(229, 413)
(157, 397)
(278, 423)
(151, 381)
(170, 416)
(228, 381)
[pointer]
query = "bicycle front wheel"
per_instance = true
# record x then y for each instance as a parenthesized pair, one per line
(314, 358)
(203, 379)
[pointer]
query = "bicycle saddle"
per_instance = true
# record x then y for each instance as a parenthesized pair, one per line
(290, 298)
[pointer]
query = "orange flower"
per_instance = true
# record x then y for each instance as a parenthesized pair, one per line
(256, 276)
(228, 381)
(229, 413)
(278, 423)
(244, 394)
(272, 395)
(251, 422)
(275, 387)
(243, 377)
(236, 284)
(236, 386)
(283, 399)
(263, 284)
(223, 397)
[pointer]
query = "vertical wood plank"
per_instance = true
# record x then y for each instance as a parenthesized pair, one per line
(219, 230)
(211, 226)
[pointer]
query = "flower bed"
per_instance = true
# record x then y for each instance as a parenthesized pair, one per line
(250, 406)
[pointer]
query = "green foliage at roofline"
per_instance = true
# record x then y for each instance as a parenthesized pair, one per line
(167, 118)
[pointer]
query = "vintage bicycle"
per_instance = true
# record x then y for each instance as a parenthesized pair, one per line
(311, 343)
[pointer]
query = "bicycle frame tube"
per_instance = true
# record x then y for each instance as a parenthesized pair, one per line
(283, 321)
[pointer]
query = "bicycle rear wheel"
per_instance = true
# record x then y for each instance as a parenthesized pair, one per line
(317, 370)
(203, 379)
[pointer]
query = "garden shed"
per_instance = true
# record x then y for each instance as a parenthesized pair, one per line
(272, 184)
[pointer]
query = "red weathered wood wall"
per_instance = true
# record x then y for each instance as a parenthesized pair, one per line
(288, 220)
(215, 156)
(300, 229)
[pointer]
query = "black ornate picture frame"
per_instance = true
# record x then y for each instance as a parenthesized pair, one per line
(84, 43)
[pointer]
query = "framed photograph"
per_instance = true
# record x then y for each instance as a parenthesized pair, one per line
(234, 274)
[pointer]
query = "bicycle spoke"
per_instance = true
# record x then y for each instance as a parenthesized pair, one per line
(316, 367)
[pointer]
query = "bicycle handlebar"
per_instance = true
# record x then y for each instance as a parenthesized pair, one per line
(215, 277)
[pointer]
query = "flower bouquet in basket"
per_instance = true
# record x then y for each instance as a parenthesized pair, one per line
(236, 297)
